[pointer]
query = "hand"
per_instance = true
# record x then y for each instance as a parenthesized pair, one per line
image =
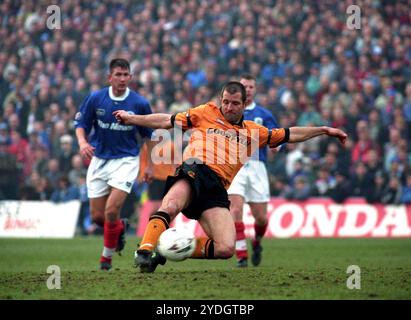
(148, 174)
(334, 132)
(86, 150)
(275, 150)
(122, 116)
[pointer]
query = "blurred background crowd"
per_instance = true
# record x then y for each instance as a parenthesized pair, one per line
(311, 69)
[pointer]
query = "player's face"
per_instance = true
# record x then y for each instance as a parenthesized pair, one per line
(250, 89)
(119, 79)
(232, 106)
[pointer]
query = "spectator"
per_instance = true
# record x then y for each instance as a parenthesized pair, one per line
(312, 72)
(66, 153)
(77, 171)
(406, 191)
(9, 172)
(341, 190)
(64, 191)
(53, 172)
(392, 192)
(324, 182)
(301, 190)
(361, 180)
(179, 104)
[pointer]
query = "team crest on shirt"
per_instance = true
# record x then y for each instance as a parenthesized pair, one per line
(191, 174)
(100, 112)
(258, 120)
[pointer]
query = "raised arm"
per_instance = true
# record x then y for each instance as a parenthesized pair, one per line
(299, 134)
(155, 120)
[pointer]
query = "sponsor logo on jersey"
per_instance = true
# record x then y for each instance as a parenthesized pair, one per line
(258, 120)
(100, 112)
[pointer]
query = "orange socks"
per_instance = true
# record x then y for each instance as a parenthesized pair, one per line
(157, 223)
(204, 249)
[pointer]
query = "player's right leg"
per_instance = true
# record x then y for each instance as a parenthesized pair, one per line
(218, 224)
(237, 193)
(111, 179)
(97, 207)
(177, 198)
(236, 210)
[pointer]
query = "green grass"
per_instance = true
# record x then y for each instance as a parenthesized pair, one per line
(291, 269)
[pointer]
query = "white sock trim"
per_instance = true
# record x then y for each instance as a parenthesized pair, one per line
(241, 245)
(108, 253)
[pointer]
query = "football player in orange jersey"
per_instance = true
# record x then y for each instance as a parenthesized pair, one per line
(199, 187)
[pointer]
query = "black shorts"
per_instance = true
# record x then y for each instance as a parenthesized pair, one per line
(156, 189)
(208, 191)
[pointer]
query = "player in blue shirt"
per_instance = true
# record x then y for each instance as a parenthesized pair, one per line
(251, 183)
(114, 152)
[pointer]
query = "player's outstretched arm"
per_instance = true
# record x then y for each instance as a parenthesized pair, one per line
(155, 120)
(299, 134)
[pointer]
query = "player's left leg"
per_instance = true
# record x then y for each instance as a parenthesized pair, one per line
(114, 228)
(177, 198)
(259, 211)
(219, 227)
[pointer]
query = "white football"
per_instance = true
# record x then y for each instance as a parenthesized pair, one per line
(176, 244)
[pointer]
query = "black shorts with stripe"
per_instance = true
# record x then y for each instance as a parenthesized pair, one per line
(208, 191)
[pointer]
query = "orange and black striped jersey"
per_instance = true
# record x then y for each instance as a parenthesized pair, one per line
(222, 146)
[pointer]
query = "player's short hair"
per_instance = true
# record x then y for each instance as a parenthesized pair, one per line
(233, 87)
(248, 76)
(119, 63)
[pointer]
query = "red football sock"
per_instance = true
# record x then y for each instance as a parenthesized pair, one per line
(241, 242)
(259, 232)
(112, 232)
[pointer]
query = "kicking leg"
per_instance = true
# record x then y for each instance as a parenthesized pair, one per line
(176, 199)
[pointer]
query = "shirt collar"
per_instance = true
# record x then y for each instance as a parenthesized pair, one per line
(121, 98)
(250, 106)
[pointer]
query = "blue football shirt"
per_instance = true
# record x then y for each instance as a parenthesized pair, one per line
(261, 116)
(111, 139)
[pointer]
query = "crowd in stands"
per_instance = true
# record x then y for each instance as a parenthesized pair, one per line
(312, 69)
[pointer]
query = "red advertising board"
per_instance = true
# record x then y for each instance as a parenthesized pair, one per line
(317, 217)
